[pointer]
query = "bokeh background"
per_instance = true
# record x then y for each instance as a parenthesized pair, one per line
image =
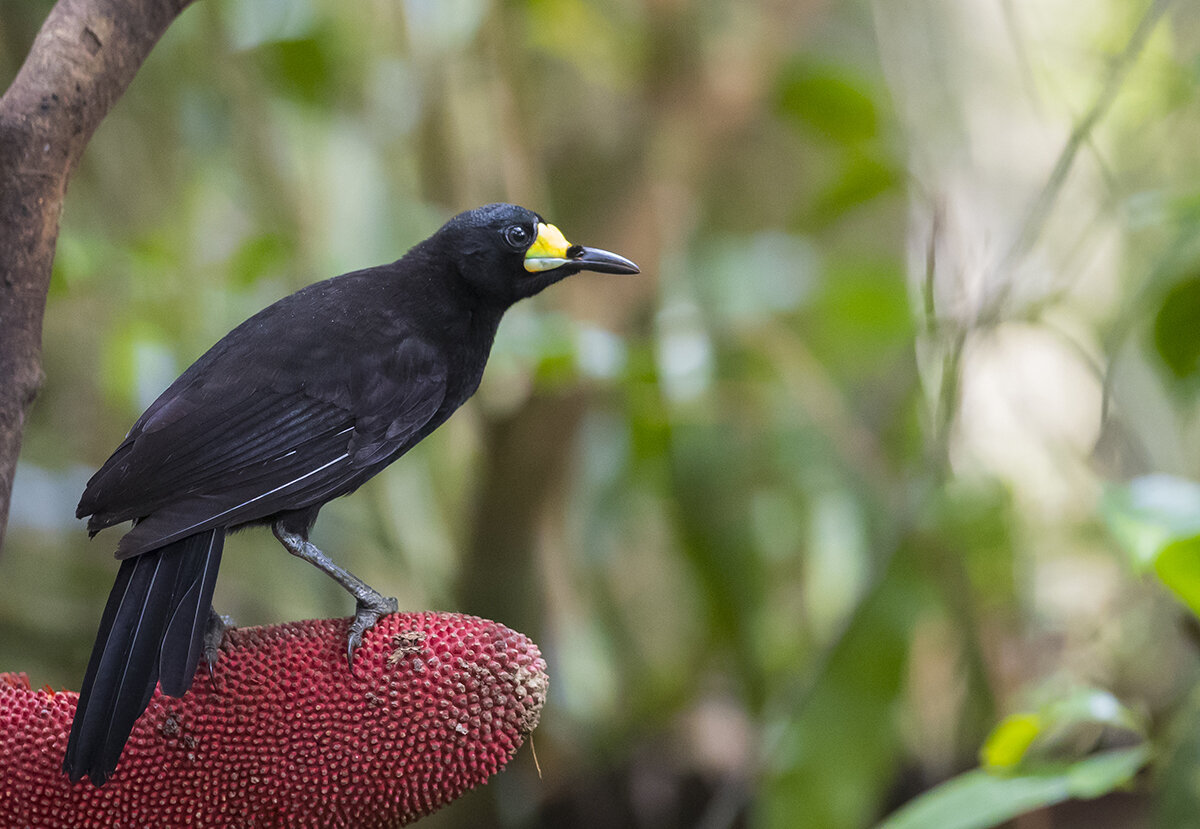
(850, 473)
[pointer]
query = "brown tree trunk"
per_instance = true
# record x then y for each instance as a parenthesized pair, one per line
(81, 62)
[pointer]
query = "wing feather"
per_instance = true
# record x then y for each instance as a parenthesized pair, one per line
(229, 454)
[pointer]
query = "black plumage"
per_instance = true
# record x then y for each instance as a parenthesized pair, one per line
(298, 405)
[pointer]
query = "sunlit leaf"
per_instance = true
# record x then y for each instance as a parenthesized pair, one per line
(1178, 566)
(1063, 730)
(1007, 744)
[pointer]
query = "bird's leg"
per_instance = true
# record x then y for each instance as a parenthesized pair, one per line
(371, 604)
(214, 634)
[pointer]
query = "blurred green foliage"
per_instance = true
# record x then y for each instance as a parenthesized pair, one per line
(799, 515)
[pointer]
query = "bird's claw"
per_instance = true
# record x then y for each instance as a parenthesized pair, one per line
(214, 635)
(368, 612)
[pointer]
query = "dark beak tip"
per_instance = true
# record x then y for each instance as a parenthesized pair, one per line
(602, 261)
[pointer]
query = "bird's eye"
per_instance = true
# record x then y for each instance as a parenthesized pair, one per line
(516, 235)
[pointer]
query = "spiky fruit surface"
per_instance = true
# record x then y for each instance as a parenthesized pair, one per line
(288, 736)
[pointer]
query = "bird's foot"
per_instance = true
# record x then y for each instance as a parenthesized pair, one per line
(214, 635)
(370, 609)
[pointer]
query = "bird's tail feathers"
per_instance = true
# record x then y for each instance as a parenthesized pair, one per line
(153, 623)
(183, 639)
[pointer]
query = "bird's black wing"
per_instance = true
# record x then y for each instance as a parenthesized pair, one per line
(208, 439)
(231, 444)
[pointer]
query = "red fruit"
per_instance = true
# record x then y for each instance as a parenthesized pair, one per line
(288, 736)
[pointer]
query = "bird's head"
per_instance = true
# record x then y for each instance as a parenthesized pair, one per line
(507, 253)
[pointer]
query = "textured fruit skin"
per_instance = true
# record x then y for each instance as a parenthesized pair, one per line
(288, 736)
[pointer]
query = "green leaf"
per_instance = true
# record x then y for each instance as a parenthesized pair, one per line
(1149, 513)
(258, 256)
(979, 799)
(1177, 329)
(859, 320)
(1176, 784)
(303, 68)
(1006, 746)
(1178, 567)
(827, 100)
(863, 176)
(1035, 759)
(835, 755)
(1063, 730)
(1156, 519)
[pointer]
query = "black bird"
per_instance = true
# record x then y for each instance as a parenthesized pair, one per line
(299, 404)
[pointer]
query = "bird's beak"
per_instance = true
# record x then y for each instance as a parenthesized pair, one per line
(551, 250)
(601, 261)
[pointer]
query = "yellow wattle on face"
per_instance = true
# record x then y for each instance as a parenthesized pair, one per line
(548, 251)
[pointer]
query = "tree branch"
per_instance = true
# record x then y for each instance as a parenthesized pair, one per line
(81, 62)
